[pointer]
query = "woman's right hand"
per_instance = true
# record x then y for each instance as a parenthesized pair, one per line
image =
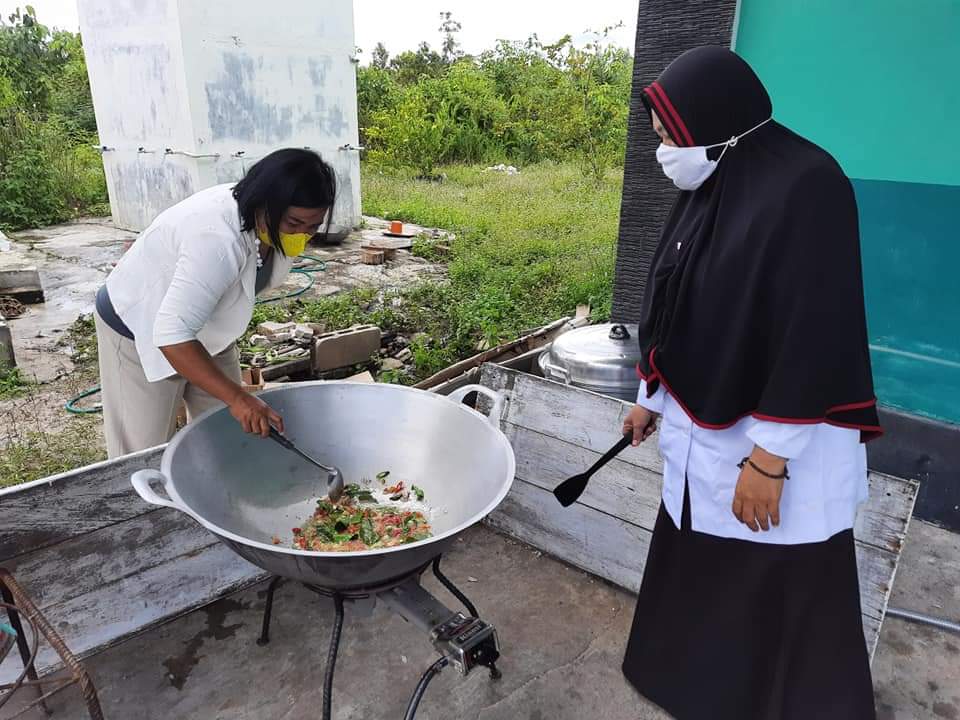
(254, 415)
(641, 423)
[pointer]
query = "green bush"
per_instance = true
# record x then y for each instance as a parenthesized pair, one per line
(45, 175)
(521, 103)
(48, 170)
(29, 187)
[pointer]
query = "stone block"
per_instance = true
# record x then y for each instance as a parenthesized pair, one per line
(346, 347)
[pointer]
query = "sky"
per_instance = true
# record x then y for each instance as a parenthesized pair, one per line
(403, 25)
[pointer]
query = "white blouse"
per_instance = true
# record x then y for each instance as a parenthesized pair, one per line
(827, 464)
(191, 275)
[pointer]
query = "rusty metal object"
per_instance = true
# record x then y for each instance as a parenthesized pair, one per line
(20, 609)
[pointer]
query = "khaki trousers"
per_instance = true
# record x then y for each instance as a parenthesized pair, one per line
(138, 414)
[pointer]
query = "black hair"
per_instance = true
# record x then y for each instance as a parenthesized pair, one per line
(284, 178)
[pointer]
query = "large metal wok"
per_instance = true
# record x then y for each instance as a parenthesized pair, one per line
(246, 490)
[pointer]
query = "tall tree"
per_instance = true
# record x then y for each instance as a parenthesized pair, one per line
(450, 49)
(380, 58)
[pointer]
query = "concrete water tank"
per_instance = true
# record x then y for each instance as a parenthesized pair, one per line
(189, 94)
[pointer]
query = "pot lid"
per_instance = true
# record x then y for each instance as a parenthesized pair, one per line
(596, 355)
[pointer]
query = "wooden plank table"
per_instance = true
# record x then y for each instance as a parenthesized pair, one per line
(101, 564)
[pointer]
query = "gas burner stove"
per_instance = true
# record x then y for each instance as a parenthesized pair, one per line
(462, 639)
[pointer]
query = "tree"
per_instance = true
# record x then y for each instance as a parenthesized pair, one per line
(450, 49)
(26, 59)
(410, 66)
(380, 58)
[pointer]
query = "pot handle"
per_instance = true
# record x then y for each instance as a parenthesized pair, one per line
(551, 370)
(499, 399)
(141, 480)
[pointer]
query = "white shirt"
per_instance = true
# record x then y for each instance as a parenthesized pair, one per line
(827, 464)
(191, 275)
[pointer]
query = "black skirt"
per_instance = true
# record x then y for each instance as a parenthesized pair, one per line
(734, 630)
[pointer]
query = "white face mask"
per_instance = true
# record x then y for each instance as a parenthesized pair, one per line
(689, 167)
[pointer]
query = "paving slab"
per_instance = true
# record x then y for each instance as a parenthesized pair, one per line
(562, 631)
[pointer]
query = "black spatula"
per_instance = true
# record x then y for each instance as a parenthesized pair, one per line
(570, 489)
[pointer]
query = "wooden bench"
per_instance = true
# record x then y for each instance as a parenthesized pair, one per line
(558, 431)
(102, 565)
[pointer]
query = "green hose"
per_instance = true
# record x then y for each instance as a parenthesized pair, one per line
(71, 403)
(319, 266)
(307, 271)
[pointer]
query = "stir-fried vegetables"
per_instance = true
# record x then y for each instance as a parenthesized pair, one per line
(359, 522)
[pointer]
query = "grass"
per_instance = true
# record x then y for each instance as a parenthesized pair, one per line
(37, 437)
(12, 383)
(529, 248)
(34, 454)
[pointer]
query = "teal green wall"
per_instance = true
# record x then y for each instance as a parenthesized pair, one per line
(877, 83)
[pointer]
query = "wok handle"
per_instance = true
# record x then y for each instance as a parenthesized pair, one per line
(498, 400)
(141, 480)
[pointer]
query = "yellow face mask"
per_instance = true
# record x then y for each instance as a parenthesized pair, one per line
(293, 244)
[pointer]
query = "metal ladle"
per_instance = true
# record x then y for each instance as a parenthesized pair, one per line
(334, 476)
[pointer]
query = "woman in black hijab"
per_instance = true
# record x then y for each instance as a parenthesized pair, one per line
(754, 348)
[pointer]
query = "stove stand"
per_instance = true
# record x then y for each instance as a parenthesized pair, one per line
(463, 640)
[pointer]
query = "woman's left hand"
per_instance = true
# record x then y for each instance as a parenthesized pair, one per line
(756, 501)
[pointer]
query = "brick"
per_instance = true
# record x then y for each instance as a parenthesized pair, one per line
(391, 364)
(252, 380)
(364, 377)
(303, 331)
(369, 256)
(347, 347)
(274, 328)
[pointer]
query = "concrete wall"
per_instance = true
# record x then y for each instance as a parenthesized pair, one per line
(227, 79)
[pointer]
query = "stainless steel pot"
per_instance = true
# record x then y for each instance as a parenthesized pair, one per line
(601, 358)
(246, 490)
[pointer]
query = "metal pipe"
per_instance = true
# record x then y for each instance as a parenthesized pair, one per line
(922, 619)
(185, 153)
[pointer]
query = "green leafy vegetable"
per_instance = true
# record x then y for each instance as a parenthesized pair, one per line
(382, 476)
(418, 492)
(367, 533)
(358, 493)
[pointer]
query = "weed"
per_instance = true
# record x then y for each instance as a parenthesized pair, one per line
(12, 383)
(81, 338)
(34, 454)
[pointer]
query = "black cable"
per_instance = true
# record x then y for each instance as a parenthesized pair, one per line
(454, 590)
(332, 657)
(425, 679)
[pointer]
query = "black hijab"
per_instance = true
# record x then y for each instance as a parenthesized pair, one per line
(759, 311)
